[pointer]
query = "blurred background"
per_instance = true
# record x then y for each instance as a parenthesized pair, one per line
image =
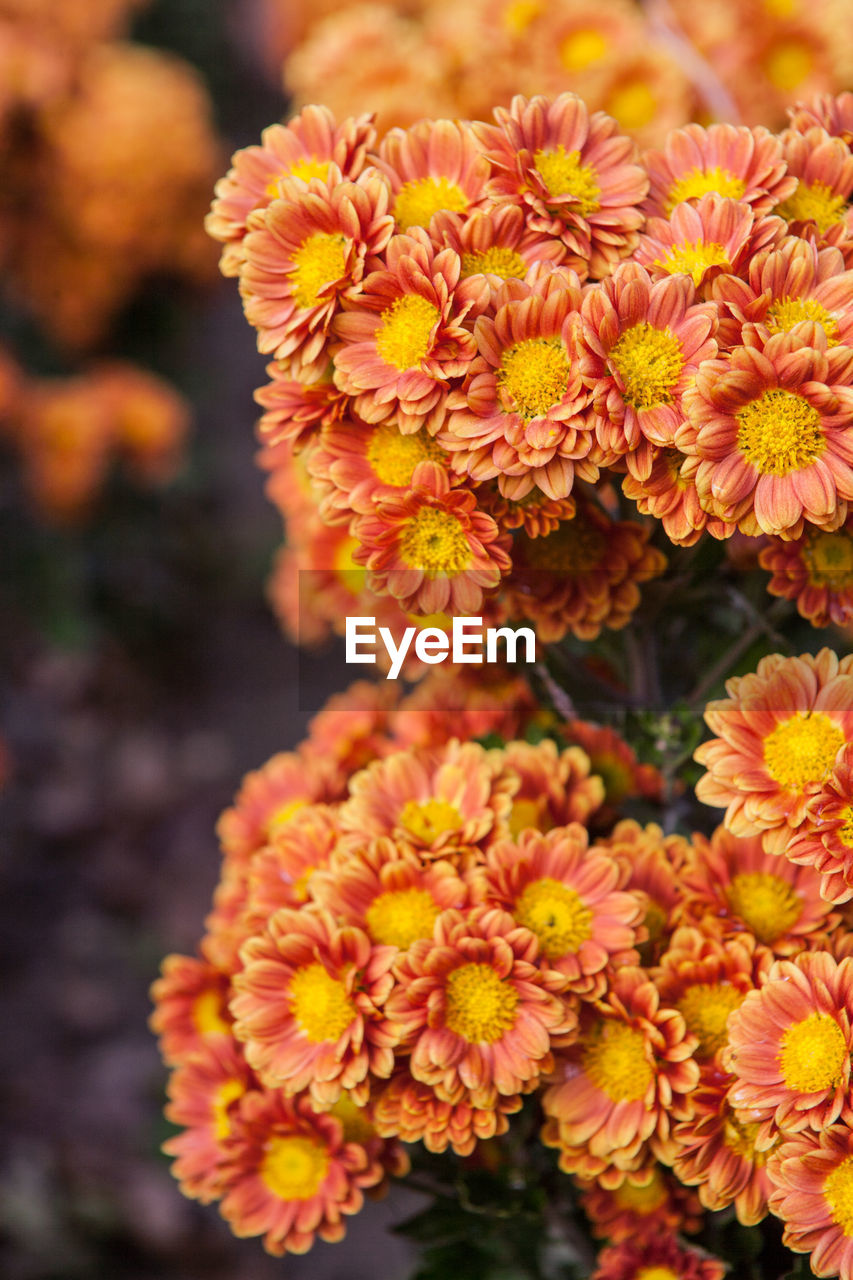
(141, 670)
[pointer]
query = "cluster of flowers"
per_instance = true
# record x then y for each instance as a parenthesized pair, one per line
(73, 260)
(478, 329)
(652, 67)
(69, 431)
(412, 933)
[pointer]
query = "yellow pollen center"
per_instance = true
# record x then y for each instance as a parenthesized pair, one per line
(766, 903)
(633, 105)
(556, 914)
(527, 814)
(227, 1094)
(533, 377)
(280, 817)
(399, 918)
(740, 1137)
(348, 573)
(405, 333)
(572, 549)
(429, 819)
(828, 558)
(565, 177)
(207, 1013)
(656, 1273)
(435, 542)
(320, 1004)
(779, 432)
(582, 48)
(393, 456)
(844, 833)
(615, 1060)
(802, 749)
(838, 1193)
(318, 262)
(479, 1005)
(498, 260)
(417, 201)
(705, 1009)
(787, 312)
(306, 169)
(812, 1054)
(301, 883)
(643, 1199)
(649, 362)
(700, 182)
(788, 64)
(519, 14)
(693, 258)
(817, 203)
(356, 1126)
(294, 1167)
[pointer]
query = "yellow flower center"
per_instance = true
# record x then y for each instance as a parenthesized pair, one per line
(417, 201)
(348, 573)
(643, 1199)
(435, 541)
(788, 64)
(399, 918)
(802, 749)
(226, 1094)
(779, 432)
(655, 920)
(656, 1273)
(394, 456)
(582, 48)
(700, 182)
(766, 903)
(564, 175)
(533, 377)
(319, 261)
(705, 1008)
(300, 884)
(405, 333)
(649, 362)
(429, 819)
(207, 1013)
(518, 15)
(740, 1137)
(693, 258)
(497, 261)
(838, 1193)
(479, 1005)
(813, 1054)
(633, 105)
(295, 1167)
(280, 817)
(320, 1003)
(356, 1126)
(306, 169)
(572, 549)
(556, 914)
(828, 558)
(844, 833)
(527, 814)
(817, 203)
(616, 1061)
(787, 312)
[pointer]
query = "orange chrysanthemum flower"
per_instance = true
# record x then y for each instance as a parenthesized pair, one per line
(473, 1010)
(289, 1175)
(354, 727)
(812, 1176)
(464, 704)
(410, 1110)
(434, 165)
(704, 240)
(431, 548)
(308, 1006)
(823, 166)
(638, 1208)
(642, 345)
(535, 513)
(294, 411)
(834, 114)
(614, 762)
(572, 898)
(654, 864)
(574, 173)
(621, 1086)
(519, 416)
(790, 1044)
(496, 243)
(734, 161)
(281, 873)
(225, 926)
(825, 840)
(815, 571)
(669, 494)
(268, 797)
(657, 1259)
(190, 1007)
(311, 145)
(554, 787)
(780, 730)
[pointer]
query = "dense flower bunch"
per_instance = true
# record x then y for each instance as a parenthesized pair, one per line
(416, 937)
(478, 331)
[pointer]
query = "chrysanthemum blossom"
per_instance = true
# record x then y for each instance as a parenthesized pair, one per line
(294, 411)
(408, 334)
(662, 1258)
(832, 113)
(432, 166)
(714, 236)
(779, 731)
(790, 1044)
(311, 145)
(615, 763)
(825, 841)
(575, 174)
(639, 1207)
(669, 494)
(431, 548)
(770, 428)
(289, 1175)
(354, 726)
(812, 1177)
(816, 572)
(473, 1010)
(519, 415)
(535, 513)
(308, 1006)
(496, 243)
(280, 874)
(642, 345)
(823, 166)
(554, 787)
(732, 160)
(303, 255)
(572, 898)
(653, 863)
(410, 1110)
(269, 797)
(190, 1001)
